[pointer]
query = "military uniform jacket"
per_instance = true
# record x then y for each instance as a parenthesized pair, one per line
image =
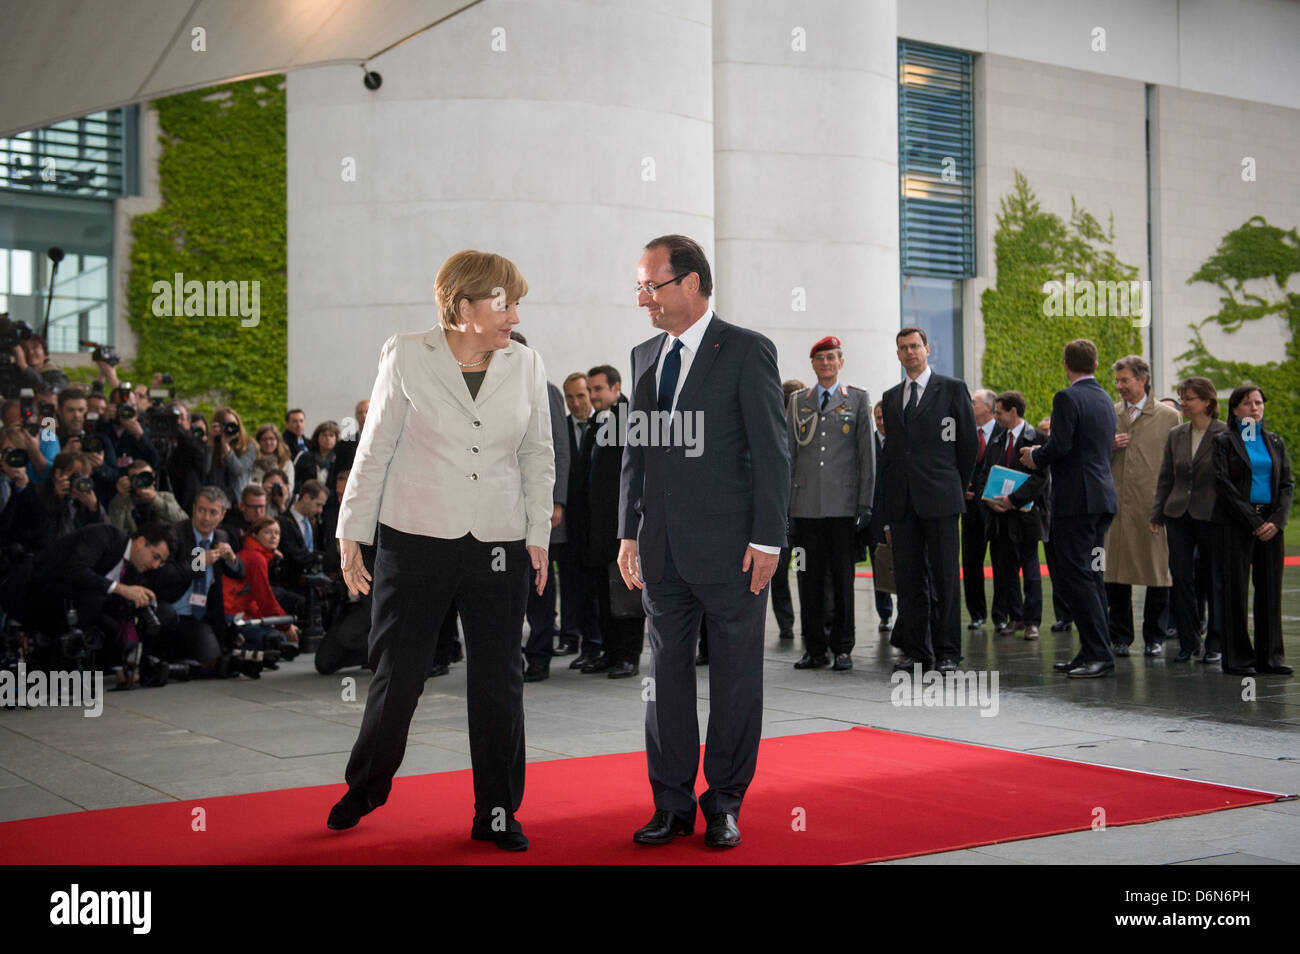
(832, 454)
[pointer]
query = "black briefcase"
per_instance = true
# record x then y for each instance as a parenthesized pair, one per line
(623, 603)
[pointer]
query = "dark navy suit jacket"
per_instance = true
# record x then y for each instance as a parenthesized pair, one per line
(1078, 450)
(709, 508)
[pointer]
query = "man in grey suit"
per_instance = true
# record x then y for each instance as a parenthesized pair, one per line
(702, 519)
(830, 429)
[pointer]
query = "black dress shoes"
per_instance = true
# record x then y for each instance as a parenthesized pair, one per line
(1119, 649)
(947, 665)
(586, 659)
(511, 839)
(722, 831)
(347, 812)
(599, 664)
(567, 647)
(785, 634)
(885, 626)
(1153, 649)
(662, 828)
(843, 661)
(1091, 670)
(442, 669)
(976, 623)
(1212, 658)
(1067, 666)
(1239, 670)
(907, 664)
(1281, 669)
(808, 661)
(623, 670)
(1061, 627)
(536, 672)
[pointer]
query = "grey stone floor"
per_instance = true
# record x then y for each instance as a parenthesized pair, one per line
(292, 728)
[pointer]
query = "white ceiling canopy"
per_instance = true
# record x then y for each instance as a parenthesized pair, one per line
(66, 58)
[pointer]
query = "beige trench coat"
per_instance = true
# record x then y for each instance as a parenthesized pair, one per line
(1135, 555)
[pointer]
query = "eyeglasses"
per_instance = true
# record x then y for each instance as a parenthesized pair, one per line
(650, 287)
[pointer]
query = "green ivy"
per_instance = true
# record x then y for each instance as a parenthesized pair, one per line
(222, 218)
(1022, 345)
(1254, 251)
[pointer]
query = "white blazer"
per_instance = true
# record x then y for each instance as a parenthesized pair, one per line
(434, 461)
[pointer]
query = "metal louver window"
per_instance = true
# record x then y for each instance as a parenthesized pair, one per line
(936, 161)
(82, 158)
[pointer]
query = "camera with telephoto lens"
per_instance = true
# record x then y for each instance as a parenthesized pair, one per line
(146, 619)
(81, 484)
(196, 430)
(230, 428)
(106, 354)
(125, 412)
(144, 478)
(17, 457)
(92, 443)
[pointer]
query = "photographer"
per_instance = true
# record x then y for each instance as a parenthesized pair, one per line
(254, 597)
(229, 453)
(13, 481)
(66, 502)
(36, 357)
(315, 462)
(74, 433)
(107, 576)
(272, 454)
(276, 485)
(124, 430)
(22, 419)
(185, 466)
(139, 501)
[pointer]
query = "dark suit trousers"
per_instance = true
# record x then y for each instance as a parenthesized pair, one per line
(1119, 596)
(930, 616)
(1079, 541)
(541, 618)
(884, 601)
(1245, 556)
(735, 617)
(1012, 560)
(973, 545)
(1059, 609)
(828, 550)
(416, 579)
(782, 604)
(1193, 543)
(579, 615)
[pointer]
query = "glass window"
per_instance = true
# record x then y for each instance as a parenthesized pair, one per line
(935, 305)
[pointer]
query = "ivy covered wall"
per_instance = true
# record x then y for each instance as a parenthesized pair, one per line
(1022, 341)
(222, 220)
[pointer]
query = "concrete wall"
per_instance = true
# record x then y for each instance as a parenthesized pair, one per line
(541, 151)
(806, 178)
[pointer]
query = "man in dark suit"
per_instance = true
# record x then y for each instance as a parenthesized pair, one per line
(601, 461)
(874, 532)
(974, 532)
(1083, 503)
(579, 618)
(702, 522)
(1014, 533)
(929, 459)
(299, 540)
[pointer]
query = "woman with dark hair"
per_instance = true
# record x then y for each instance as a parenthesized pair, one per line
(272, 454)
(253, 596)
(314, 463)
(1255, 489)
(1185, 503)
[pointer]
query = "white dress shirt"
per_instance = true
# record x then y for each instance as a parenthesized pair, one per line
(115, 575)
(921, 383)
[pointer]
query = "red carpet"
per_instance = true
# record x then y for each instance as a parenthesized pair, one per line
(863, 794)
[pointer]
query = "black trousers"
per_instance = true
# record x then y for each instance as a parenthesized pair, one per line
(1079, 541)
(735, 617)
(416, 580)
(622, 639)
(974, 543)
(1012, 560)
(1195, 558)
(1059, 609)
(579, 614)
(1246, 557)
(541, 618)
(828, 550)
(1119, 596)
(928, 615)
(782, 604)
(884, 601)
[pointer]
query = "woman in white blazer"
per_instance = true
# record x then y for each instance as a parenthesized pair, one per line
(454, 473)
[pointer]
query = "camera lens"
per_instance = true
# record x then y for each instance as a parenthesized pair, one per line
(82, 484)
(231, 428)
(125, 412)
(143, 479)
(93, 444)
(16, 457)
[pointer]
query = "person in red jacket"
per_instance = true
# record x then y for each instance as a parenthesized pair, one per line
(253, 597)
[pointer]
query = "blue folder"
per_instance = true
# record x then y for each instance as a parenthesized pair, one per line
(1003, 482)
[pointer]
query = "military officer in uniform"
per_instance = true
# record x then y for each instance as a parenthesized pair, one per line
(832, 457)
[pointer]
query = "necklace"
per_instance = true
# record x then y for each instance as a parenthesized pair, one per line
(473, 364)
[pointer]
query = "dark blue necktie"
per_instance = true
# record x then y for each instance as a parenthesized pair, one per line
(911, 406)
(826, 396)
(668, 379)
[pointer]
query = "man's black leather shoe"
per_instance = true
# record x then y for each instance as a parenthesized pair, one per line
(1059, 627)
(441, 670)
(843, 661)
(809, 661)
(1212, 658)
(623, 670)
(567, 647)
(1067, 666)
(976, 623)
(512, 839)
(599, 664)
(586, 659)
(347, 812)
(1091, 670)
(536, 672)
(785, 634)
(907, 664)
(1119, 649)
(1240, 670)
(662, 827)
(1281, 669)
(722, 831)
(1154, 649)
(947, 665)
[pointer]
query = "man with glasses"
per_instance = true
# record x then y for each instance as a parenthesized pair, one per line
(929, 458)
(701, 526)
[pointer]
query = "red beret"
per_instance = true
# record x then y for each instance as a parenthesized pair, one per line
(826, 344)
